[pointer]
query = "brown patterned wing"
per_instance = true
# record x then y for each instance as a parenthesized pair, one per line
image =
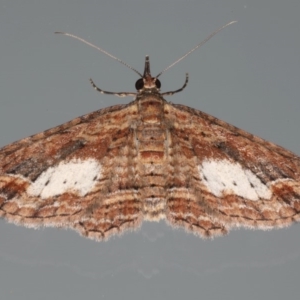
(225, 177)
(75, 175)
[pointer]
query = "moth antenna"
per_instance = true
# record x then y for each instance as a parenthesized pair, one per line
(101, 50)
(199, 45)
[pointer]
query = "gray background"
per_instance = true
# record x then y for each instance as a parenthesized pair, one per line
(247, 75)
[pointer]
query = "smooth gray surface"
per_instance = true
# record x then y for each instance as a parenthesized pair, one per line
(247, 75)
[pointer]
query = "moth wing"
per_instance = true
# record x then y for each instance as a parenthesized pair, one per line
(74, 175)
(225, 177)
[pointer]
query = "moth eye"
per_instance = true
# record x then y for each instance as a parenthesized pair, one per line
(139, 84)
(157, 83)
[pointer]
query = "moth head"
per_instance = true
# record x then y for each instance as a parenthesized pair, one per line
(147, 81)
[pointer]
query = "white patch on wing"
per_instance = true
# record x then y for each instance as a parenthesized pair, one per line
(76, 175)
(224, 177)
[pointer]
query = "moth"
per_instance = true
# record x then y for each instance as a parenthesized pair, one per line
(105, 172)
